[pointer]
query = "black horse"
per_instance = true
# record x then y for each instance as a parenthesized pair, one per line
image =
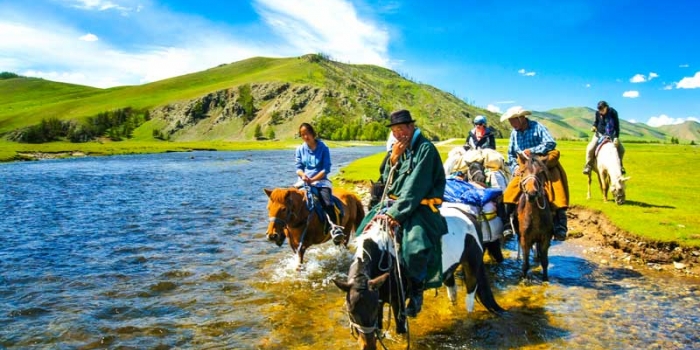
(376, 278)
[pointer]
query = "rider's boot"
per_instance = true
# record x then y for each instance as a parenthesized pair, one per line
(587, 169)
(337, 234)
(415, 295)
(560, 225)
(511, 224)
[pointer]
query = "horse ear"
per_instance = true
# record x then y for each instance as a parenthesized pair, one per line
(371, 182)
(268, 192)
(625, 178)
(378, 281)
(343, 285)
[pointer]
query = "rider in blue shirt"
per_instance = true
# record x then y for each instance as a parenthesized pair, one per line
(313, 164)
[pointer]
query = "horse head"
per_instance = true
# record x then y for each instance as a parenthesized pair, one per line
(282, 209)
(618, 189)
(363, 303)
(531, 181)
(376, 192)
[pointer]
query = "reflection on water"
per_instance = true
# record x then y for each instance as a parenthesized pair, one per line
(168, 251)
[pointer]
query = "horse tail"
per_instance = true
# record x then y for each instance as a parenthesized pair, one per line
(475, 258)
(360, 212)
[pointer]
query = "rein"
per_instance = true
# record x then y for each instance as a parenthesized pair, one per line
(540, 189)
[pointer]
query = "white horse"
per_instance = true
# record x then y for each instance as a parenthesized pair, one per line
(609, 170)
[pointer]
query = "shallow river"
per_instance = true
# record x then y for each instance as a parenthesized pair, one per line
(168, 251)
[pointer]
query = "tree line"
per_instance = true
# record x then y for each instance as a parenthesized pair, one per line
(117, 125)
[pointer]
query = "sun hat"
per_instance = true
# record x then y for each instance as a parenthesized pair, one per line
(480, 119)
(401, 117)
(514, 112)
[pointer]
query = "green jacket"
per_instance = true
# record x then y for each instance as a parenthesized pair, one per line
(419, 175)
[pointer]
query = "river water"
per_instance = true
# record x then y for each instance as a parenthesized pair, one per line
(168, 251)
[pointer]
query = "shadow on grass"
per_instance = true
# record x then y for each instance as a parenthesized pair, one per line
(647, 205)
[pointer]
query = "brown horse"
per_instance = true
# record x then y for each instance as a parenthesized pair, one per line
(536, 226)
(290, 218)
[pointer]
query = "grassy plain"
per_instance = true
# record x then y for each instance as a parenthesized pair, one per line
(661, 194)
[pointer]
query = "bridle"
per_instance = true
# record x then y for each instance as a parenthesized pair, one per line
(538, 185)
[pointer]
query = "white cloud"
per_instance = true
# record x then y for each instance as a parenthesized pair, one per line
(641, 78)
(588, 85)
(666, 120)
(689, 82)
(668, 87)
(98, 5)
(630, 94)
(505, 102)
(684, 66)
(47, 47)
(89, 37)
(493, 108)
(633, 121)
(332, 27)
(523, 72)
(638, 78)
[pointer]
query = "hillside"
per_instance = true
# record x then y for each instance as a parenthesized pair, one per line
(688, 130)
(285, 92)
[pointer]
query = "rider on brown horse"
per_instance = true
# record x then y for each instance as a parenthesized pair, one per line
(313, 163)
(532, 138)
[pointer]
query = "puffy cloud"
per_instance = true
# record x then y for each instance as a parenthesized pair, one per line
(638, 78)
(689, 82)
(493, 108)
(641, 78)
(668, 87)
(666, 120)
(588, 85)
(89, 37)
(523, 72)
(631, 94)
(684, 66)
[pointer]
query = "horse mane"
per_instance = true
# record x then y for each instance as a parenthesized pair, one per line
(374, 232)
(279, 195)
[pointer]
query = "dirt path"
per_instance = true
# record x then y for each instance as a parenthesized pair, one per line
(611, 245)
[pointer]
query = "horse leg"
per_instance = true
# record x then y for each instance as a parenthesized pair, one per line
(399, 316)
(494, 249)
(449, 281)
(543, 249)
(588, 194)
(526, 258)
(300, 258)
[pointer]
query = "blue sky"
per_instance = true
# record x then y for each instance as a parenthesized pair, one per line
(641, 56)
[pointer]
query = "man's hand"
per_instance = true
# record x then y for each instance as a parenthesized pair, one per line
(398, 149)
(527, 152)
(594, 129)
(393, 224)
(616, 142)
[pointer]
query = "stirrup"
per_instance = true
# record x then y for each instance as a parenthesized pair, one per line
(337, 234)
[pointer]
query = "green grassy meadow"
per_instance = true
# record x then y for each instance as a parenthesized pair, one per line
(661, 193)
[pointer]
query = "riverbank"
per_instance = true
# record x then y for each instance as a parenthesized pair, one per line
(13, 151)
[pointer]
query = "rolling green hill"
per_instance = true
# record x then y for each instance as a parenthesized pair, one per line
(205, 106)
(575, 122)
(231, 102)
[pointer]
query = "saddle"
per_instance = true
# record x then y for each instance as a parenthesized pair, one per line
(313, 203)
(603, 140)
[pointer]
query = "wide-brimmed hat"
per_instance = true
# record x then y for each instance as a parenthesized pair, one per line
(401, 117)
(514, 112)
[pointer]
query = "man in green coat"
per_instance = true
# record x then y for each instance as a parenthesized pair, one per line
(416, 187)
